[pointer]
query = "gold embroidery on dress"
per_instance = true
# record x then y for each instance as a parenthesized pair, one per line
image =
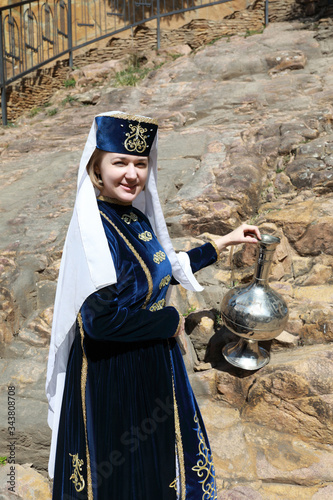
(159, 257)
(164, 281)
(178, 434)
(146, 236)
(141, 262)
(76, 477)
(128, 218)
(157, 305)
(84, 372)
(173, 484)
(136, 141)
(205, 467)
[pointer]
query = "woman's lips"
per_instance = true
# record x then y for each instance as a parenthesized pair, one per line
(127, 187)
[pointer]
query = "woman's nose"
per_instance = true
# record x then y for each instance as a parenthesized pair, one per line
(131, 171)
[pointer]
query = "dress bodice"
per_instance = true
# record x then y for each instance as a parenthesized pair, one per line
(142, 267)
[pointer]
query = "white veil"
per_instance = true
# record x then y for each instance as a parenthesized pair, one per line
(87, 266)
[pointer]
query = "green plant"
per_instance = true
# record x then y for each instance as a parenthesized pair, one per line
(33, 112)
(218, 319)
(211, 42)
(68, 99)
(130, 76)
(11, 124)
(52, 112)
(47, 105)
(158, 66)
(3, 460)
(70, 82)
(286, 159)
(189, 311)
(253, 32)
(175, 56)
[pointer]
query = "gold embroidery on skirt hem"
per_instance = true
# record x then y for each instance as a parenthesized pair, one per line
(77, 478)
(173, 484)
(205, 467)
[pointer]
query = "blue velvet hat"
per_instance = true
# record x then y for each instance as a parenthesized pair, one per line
(125, 134)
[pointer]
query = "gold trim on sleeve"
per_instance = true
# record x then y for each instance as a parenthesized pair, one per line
(178, 435)
(141, 262)
(212, 242)
(205, 467)
(180, 322)
(84, 372)
(77, 478)
(159, 257)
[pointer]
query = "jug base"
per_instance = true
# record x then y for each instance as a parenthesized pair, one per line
(246, 354)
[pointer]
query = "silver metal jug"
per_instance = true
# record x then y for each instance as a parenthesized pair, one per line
(254, 312)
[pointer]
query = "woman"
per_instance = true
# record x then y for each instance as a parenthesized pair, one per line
(125, 423)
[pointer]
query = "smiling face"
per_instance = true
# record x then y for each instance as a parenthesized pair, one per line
(123, 176)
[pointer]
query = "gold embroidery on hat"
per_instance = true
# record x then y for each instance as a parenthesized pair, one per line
(76, 477)
(159, 257)
(146, 236)
(136, 141)
(126, 116)
(157, 305)
(128, 218)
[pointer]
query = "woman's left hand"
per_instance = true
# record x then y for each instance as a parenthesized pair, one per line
(243, 234)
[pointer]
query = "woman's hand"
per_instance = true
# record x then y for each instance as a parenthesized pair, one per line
(243, 234)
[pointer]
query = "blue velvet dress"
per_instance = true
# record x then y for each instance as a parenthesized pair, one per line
(130, 427)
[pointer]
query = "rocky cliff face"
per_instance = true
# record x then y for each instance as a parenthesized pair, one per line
(245, 135)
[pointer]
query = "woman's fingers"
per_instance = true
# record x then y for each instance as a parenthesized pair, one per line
(253, 230)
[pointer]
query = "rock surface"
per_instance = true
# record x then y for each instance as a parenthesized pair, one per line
(245, 135)
(24, 482)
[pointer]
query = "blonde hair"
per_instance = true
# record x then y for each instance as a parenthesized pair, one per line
(95, 161)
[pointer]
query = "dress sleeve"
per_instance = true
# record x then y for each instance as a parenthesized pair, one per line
(201, 257)
(105, 319)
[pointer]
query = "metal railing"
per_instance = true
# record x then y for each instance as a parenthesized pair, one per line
(34, 33)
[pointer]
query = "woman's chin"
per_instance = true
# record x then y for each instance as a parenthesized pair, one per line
(122, 195)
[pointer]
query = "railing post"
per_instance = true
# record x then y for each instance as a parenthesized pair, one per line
(158, 26)
(2, 76)
(266, 13)
(70, 39)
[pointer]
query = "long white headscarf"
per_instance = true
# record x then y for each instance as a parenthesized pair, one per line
(87, 266)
